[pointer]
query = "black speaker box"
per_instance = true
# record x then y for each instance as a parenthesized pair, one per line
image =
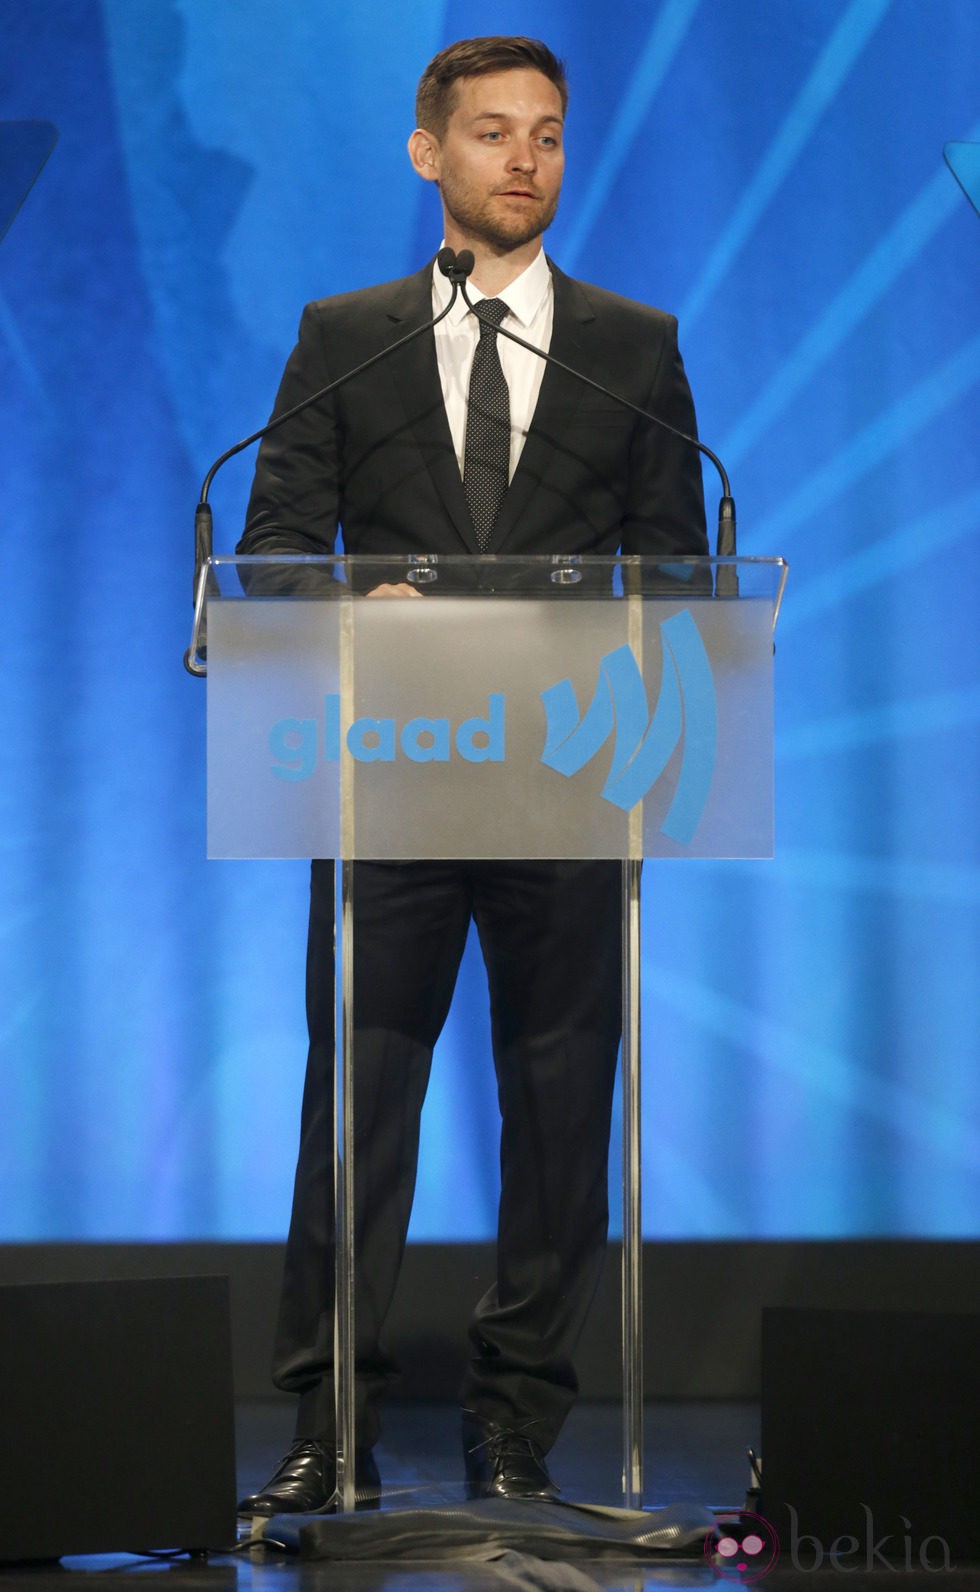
(870, 1430)
(116, 1417)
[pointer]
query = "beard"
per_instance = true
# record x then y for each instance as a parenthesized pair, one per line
(489, 218)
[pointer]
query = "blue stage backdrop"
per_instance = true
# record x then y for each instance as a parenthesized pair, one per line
(774, 174)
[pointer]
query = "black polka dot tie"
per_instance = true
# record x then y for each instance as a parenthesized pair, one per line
(486, 456)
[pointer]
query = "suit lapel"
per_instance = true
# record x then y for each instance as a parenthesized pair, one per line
(558, 400)
(415, 376)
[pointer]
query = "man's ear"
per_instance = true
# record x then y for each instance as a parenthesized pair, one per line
(423, 152)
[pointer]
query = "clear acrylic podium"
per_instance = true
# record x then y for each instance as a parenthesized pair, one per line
(548, 707)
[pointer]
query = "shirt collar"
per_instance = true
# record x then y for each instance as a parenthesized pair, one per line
(523, 297)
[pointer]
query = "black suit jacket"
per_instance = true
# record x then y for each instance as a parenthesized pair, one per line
(377, 457)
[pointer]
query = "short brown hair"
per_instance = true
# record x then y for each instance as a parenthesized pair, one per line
(436, 98)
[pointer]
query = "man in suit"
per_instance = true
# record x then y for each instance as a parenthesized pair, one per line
(463, 443)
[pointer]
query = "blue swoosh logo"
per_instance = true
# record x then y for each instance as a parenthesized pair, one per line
(685, 714)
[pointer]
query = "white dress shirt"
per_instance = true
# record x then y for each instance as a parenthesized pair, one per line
(530, 302)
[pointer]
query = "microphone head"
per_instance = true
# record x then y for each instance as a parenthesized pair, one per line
(456, 266)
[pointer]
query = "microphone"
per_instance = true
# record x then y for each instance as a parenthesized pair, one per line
(456, 268)
(725, 544)
(459, 268)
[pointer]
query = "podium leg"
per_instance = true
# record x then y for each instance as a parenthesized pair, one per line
(343, 1136)
(632, 1263)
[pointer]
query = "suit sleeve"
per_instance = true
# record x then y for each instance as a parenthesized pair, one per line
(665, 507)
(294, 503)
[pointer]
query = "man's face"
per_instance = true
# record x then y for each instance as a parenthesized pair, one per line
(499, 166)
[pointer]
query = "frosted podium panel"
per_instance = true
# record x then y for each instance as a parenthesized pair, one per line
(459, 686)
(547, 722)
(273, 664)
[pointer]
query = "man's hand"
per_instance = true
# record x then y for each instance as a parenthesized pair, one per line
(402, 589)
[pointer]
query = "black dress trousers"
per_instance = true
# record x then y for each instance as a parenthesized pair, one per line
(551, 940)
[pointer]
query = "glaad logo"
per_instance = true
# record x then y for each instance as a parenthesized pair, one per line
(686, 711)
(295, 743)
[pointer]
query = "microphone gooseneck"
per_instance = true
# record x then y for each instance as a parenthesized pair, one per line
(448, 265)
(725, 544)
(456, 268)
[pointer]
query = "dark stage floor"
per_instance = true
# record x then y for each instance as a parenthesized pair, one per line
(695, 1452)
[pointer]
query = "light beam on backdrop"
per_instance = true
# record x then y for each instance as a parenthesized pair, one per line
(963, 161)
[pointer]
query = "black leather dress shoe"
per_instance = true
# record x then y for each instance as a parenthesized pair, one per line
(306, 1483)
(502, 1462)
